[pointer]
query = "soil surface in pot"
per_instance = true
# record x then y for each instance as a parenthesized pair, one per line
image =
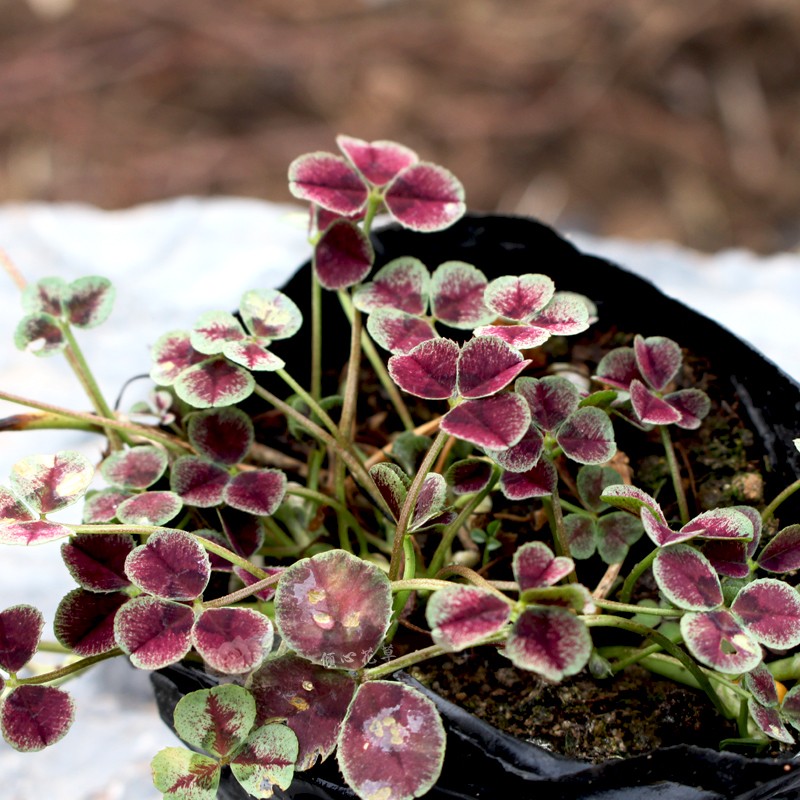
(594, 720)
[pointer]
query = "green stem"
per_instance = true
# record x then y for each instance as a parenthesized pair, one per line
(767, 513)
(626, 608)
(634, 575)
(606, 621)
(403, 662)
(552, 506)
(567, 506)
(420, 584)
(314, 406)
(243, 593)
(316, 337)
(379, 366)
(674, 471)
(333, 441)
(207, 544)
(474, 578)
(450, 532)
(68, 669)
(410, 502)
(92, 420)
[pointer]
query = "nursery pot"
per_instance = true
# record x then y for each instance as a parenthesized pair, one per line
(481, 761)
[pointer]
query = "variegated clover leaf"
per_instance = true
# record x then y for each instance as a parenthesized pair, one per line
(646, 372)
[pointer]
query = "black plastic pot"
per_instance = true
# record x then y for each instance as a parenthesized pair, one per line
(482, 762)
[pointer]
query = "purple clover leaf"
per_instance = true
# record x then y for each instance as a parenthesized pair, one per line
(312, 699)
(463, 616)
(84, 621)
(645, 371)
(135, 468)
(391, 743)
(457, 290)
(333, 608)
(20, 630)
(97, 561)
(401, 285)
(34, 717)
(343, 256)
(222, 435)
(378, 162)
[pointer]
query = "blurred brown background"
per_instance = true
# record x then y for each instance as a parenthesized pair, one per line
(649, 119)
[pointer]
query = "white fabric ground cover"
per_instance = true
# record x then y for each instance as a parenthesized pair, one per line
(172, 261)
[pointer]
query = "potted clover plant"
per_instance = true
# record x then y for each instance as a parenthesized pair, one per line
(498, 460)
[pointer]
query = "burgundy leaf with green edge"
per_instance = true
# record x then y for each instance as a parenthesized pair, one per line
(312, 699)
(658, 360)
(495, 422)
(535, 565)
(517, 297)
(40, 334)
(253, 356)
(377, 161)
(430, 500)
(692, 404)
(333, 606)
(223, 435)
(172, 354)
(540, 481)
(392, 742)
(101, 506)
(248, 579)
(581, 535)
(48, 483)
(632, 499)
(718, 641)
(782, 552)
(649, 408)
(232, 640)
(270, 314)
(84, 621)
(729, 558)
(462, 616)
(153, 632)
(587, 436)
(659, 532)
(770, 611)
(32, 533)
(213, 330)
(20, 630)
(616, 532)
(398, 331)
(329, 181)
(618, 368)
(266, 759)
(571, 596)
(769, 721)
(552, 642)
(88, 301)
(522, 456)
(321, 218)
(97, 561)
(402, 285)
(425, 197)
(343, 256)
(172, 565)
(198, 482)
(46, 296)
(34, 717)
(215, 720)
(429, 370)
(183, 775)
(469, 475)
(592, 480)
(214, 383)
(244, 531)
(149, 508)
(521, 337)
(687, 579)
(564, 315)
(136, 468)
(551, 399)
(457, 295)
(486, 365)
(258, 491)
(760, 683)
(12, 509)
(720, 523)
(392, 483)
